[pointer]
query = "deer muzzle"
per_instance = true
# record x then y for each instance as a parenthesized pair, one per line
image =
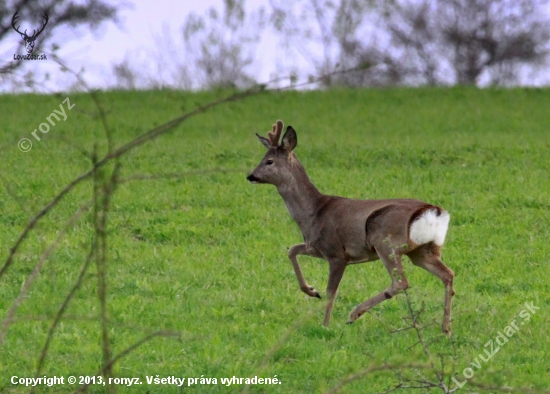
(253, 179)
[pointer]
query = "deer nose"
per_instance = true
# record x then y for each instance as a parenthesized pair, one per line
(252, 178)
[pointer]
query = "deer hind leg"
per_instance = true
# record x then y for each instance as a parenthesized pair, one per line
(292, 253)
(392, 262)
(428, 256)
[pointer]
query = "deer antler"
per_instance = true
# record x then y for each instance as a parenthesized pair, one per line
(14, 21)
(24, 34)
(275, 133)
(36, 33)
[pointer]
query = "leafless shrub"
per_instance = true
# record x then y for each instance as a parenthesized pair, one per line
(409, 42)
(463, 42)
(221, 45)
(125, 76)
(320, 33)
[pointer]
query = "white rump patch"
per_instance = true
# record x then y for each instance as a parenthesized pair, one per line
(429, 227)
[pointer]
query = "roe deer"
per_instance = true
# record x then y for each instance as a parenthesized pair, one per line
(346, 231)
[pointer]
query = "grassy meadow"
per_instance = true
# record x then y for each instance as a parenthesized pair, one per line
(196, 250)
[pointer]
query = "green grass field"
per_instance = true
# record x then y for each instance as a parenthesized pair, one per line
(205, 254)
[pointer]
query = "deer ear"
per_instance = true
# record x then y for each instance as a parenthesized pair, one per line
(290, 140)
(263, 140)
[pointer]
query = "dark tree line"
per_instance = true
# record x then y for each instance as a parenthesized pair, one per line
(430, 40)
(421, 42)
(398, 42)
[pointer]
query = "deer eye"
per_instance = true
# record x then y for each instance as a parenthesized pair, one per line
(269, 162)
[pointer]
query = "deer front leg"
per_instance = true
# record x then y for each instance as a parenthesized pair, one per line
(292, 253)
(399, 282)
(336, 272)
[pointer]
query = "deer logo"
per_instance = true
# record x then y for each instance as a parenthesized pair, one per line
(29, 40)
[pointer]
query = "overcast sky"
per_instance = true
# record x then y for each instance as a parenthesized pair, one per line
(139, 39)
(142, 27)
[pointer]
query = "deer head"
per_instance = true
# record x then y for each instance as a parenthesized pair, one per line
(277, 164)
(29, 40)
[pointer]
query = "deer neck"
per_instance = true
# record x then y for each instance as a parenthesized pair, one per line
(301, 197)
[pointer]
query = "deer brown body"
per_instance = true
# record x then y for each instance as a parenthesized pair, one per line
(347, 231)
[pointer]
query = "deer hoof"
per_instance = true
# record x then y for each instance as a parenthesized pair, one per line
(354, 315)
(312, 292)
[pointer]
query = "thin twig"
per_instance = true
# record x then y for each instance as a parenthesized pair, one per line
(371, 369)
(128, 350)
(93, 95)
(63, 308)
(36, 218)
(12, 194)
(73, 145)
(145, 177)
(522, 390)
(34, 274)
(101, 214)
(283, 338)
